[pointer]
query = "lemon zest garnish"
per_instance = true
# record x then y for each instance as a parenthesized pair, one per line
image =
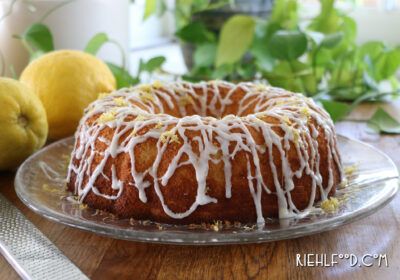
(350, 169)
(263, 148)
(83, 206)
(106, 117)
(158, 125)
(296, 137)
(139, 118)
(145, 88)
(172, 135)
(103, 94)
(286, 119)
(66, 157)
(120, 101)
(158, 84)
(147, 97)
(305, 111)
(330, 204)
(48, 189)
(185, 100)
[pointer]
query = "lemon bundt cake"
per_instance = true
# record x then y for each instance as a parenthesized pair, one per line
(191, 153)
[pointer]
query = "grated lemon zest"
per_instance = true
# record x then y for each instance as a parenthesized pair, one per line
(106, 117)
(120, 102)
(305, 111)
(330, 204)
(172, 135)
(158, 125)
(103, 94)
(157, 84)
(147, 97)
(139, 118)
(296, 137)
(350, 169)
(185, 100)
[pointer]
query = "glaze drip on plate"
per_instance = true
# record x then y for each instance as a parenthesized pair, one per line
(205, 125)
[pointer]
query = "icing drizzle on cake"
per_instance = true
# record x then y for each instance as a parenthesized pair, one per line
(168, 112)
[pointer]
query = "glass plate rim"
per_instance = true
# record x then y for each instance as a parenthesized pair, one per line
(208, 238)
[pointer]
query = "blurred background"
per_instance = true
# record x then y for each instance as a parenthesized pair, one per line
(123, 20)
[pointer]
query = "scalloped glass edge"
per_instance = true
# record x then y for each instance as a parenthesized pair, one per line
(375, 182)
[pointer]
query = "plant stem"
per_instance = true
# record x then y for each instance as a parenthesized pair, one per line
(27, 47)
(50, 11)
(3, 64)
(123, 56)
(298, 80)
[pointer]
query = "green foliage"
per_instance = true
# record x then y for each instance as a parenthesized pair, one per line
(287, 45)
(94, 45)
(382, 122)
(321, 59)
(195, 33)
(235, 39)
(336, 110)
(38, 40)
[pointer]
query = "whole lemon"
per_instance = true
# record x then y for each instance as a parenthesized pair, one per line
(23, 124)
(67, 81)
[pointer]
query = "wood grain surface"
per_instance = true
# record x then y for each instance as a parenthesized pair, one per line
(106, 258)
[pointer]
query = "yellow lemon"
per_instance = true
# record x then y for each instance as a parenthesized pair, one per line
(23, 124)
(66, 81)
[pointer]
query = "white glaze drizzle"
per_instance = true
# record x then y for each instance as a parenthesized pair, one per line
(142, 113)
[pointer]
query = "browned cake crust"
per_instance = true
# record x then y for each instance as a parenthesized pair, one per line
(313, 138)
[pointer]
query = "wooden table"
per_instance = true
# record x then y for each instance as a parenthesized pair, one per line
(106, 258)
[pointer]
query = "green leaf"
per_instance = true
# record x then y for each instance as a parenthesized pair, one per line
(287, 45)
(39, 36)
(262, 32)
(336, 110)
(387, 64)
(285, 14)
(124, 79)
(372, 49)
(195, 33)
(200, 5)
(316, 37)
(96, 42)
(294, 76)
(152, 64)
(149, 8)
(332, 40)
(204, 55)
(382, 122)
(323, 57)
(369, 81)
(235, 39)
(222, 71)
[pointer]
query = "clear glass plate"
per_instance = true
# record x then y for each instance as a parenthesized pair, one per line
(40, 184)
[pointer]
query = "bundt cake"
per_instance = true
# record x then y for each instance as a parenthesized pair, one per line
(201, 152)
